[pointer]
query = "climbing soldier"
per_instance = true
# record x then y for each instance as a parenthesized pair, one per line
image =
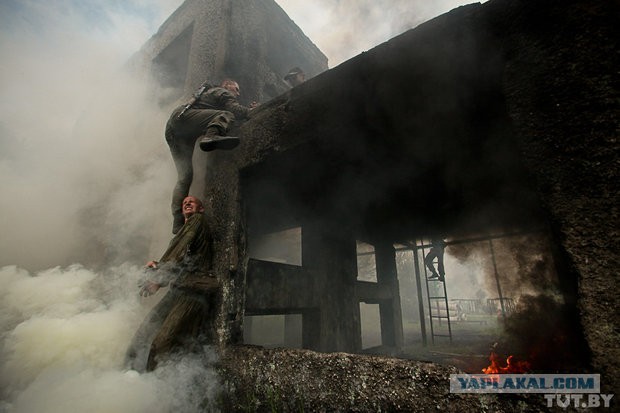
(436, 251)
(207, 116)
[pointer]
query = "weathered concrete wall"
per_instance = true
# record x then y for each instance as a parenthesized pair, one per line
(259, 380)
(252, 41)
(502, 114)
(561, 86)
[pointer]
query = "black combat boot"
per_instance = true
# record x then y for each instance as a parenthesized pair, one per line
(212, 140)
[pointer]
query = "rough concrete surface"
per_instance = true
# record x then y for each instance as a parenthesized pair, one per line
(534, 81)
(280, 380)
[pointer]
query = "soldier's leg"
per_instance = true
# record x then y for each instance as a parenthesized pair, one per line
(440, 267)
(181, 135)
(195, 122)
(223, 121)
(215, 136)
(183, 323)
(210, 125)
(182, 150)
(138, 351)
(428, 261)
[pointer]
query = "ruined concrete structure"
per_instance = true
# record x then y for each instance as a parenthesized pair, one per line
(493, 117)
(251, 41)
(287, 380)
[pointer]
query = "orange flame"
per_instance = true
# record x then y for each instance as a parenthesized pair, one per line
(512, 365)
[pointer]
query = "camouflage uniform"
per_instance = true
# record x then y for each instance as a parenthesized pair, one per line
(216, 108)
(181, 319)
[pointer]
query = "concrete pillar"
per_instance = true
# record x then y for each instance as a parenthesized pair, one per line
(389, 309)
(331, 252)
(310, 329)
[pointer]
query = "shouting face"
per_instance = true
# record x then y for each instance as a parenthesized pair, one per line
(191, 205)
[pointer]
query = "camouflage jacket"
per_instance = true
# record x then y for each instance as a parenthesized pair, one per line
(189, 254)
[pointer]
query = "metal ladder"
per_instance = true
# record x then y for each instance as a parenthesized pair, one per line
(437, 296)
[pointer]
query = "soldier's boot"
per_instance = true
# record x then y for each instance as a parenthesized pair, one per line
(212, 140)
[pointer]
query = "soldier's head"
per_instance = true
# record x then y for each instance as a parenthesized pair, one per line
(295, 76)
(231, 86)
(191, 205)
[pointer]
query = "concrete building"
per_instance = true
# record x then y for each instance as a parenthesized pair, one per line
(492, 117)
(251, 41)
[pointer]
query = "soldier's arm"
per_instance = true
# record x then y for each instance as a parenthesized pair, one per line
(231, 105)
(149, 288)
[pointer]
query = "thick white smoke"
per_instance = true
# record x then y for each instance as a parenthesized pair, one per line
(85, 177)
(84, 169)
(64, 337)
(345, 28)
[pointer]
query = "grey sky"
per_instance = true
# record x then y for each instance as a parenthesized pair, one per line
(344, 28)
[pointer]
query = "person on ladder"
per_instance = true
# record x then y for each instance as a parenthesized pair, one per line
(436, 251)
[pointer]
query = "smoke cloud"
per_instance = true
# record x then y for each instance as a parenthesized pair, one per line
(343, 29)
(65, 333)
(523, 265)
(83, 164)
(85, 177)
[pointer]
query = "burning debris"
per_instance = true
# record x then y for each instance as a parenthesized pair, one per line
(545, 329)
(513, 365)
